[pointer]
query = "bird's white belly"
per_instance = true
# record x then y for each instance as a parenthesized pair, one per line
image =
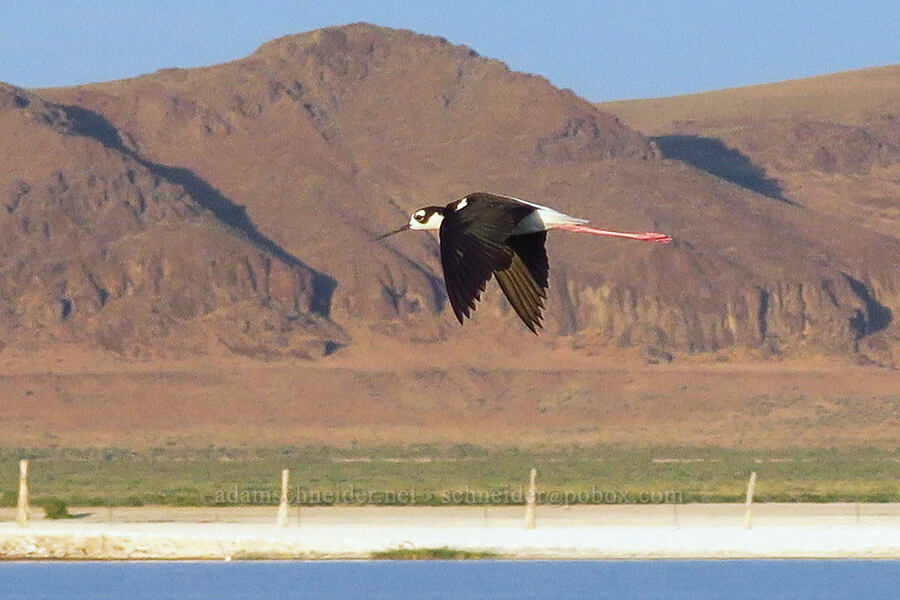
(543, 219)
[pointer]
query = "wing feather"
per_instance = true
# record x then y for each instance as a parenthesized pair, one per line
(477, 242)
(524, 281)
(511, 283)
(473, 246)
(531, 248)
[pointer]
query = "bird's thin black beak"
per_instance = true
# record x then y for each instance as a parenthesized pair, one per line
(404, 228)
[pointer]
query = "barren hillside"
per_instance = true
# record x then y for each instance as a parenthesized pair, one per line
(102, 248)
(279, 167)
(830, 143)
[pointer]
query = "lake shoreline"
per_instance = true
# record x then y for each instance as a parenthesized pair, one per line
(707, 531)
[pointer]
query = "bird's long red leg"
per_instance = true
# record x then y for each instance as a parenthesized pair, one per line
(650, 236)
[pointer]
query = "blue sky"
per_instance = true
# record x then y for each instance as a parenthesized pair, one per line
(601, 50)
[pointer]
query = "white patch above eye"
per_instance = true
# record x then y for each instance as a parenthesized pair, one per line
(462, 204)
(419, 213)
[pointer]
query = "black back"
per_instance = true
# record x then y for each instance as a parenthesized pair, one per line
(476, 243)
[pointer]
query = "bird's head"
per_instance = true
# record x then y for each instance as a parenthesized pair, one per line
(429, 217)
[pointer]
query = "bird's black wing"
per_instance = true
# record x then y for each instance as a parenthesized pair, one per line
(525, 280)
(473, 246)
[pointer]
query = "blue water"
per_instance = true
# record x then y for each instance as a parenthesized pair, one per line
(669, 580)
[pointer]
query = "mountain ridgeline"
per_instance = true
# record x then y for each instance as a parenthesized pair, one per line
(233, 209)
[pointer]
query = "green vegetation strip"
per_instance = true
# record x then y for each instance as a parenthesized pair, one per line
(448, 475)
(442, 553)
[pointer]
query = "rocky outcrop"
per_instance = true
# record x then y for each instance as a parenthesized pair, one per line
(830, 316)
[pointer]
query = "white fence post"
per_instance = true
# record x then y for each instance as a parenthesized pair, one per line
(22, 506)
(748, 503)
(283, 506)
(531, 501)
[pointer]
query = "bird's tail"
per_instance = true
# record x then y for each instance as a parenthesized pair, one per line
(649, 236)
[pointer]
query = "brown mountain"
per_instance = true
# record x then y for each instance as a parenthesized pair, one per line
(231, 208)
(100, 247)
(831, 143)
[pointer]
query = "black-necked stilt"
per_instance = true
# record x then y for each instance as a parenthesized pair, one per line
(487, 234)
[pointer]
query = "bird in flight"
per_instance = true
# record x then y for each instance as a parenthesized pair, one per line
(484, 235)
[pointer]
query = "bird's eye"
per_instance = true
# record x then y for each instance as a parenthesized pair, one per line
(420, 218)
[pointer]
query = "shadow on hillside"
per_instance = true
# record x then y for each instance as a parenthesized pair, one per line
(90, 124)
(714, 157)
(876, 316)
